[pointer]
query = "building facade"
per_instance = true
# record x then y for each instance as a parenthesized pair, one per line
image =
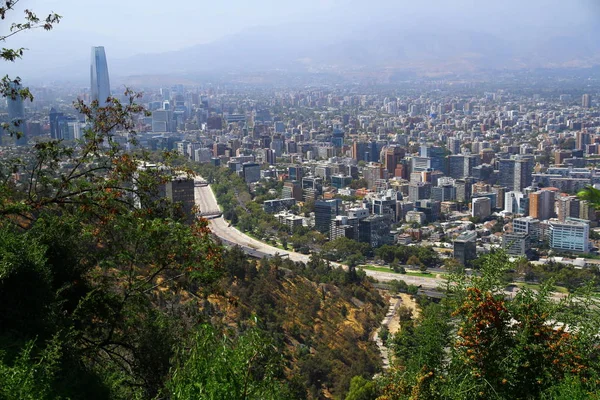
(100, 83)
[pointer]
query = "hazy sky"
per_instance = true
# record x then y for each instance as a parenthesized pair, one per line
(127, 27)
(156, 26)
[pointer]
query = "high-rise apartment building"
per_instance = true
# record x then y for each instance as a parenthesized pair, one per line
(373, 172)
(515, 174)
(100, 84)
(567, 207)
(582, 140)
(561, 155)
(541, 204)
(453, 144)
(586, 101)
(500, 194)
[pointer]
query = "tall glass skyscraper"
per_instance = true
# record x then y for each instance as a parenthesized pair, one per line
(16, 109)
(100, 85)
(16, 114)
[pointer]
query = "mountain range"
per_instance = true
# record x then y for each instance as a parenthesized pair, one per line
(363, 49)
(425, 51)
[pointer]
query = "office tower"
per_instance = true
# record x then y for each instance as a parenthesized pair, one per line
(582, 140)
(561, 155)
(372, 173)
(453, 145)
(180, 191)
(464, 189)
(445, 191)
(54, 124)
(481, 207)
(541, 204)
(64, 127)
(482, 172)
(278, 127)
(343, 226)
(489, 195)
(507, 171)
(523, 174)
(359, 150)
(340, 181)
(419, 164)
(419, 191)
(515, 202)
(373, 151)
(375, 230)
(516, 244)
(456, 166)
(461, 166)
(337, 139)
(325, 211)
(16, 113)
(437, 155)
(430, 208)
(528, 225)
(251, 172)
(384, 205)
(100, 84)
(465, 247)
(277, 145)
(311, 187)
(570, 235)
(269, 156)
(567, 207)
(16, 109)
(588, 212)
(393, 156)
(586, 101)
(296, 173)
(278, 205)
(515, 174)
(415, 217)
(500, 193)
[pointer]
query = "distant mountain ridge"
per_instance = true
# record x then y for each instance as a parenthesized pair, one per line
(391, 48)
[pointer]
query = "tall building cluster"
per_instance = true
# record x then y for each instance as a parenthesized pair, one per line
(432, 164)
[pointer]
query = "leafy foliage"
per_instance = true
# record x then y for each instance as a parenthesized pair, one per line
(479, 344)
(219, 366)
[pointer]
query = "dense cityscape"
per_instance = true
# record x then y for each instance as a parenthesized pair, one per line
(462, 167)
(345, 212)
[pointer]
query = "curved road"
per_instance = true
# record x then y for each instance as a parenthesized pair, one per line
(206, 200)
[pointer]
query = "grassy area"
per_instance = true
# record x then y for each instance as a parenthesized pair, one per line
(387, 269)
(277, 244)
(535, 286)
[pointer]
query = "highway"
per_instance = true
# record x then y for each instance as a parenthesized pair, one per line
(229, 235)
